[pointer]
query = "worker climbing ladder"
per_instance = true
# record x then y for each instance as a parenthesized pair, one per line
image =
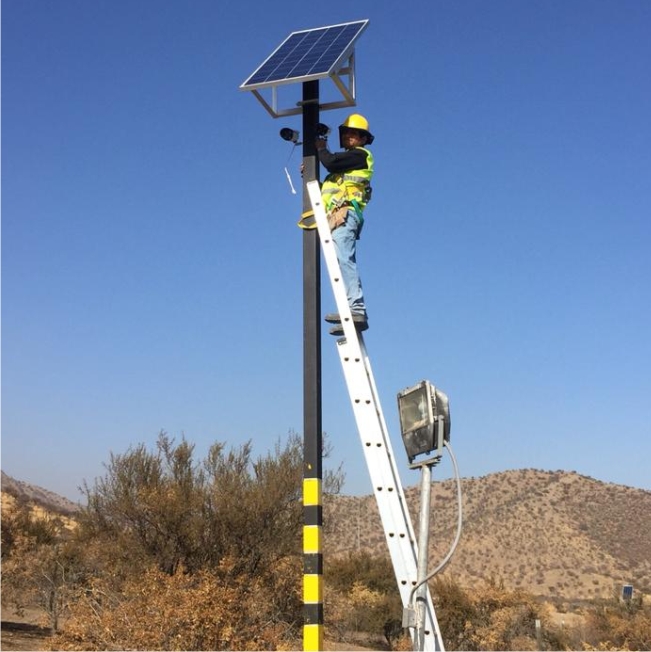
(374, 436)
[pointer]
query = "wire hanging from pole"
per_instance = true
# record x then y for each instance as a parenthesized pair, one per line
(455, 543)
(289, 178)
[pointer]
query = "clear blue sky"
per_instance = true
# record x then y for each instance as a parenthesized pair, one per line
(152, 267)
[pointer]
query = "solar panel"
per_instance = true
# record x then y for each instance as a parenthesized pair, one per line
(307, 55)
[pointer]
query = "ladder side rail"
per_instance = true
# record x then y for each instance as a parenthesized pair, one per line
(372, 429)
(392, 466)
(431, 621)
(351, 354)
(397, 525)
(387, 443)
(391, 501)
(385, 482)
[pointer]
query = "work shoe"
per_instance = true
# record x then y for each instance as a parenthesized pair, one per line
(334, 318)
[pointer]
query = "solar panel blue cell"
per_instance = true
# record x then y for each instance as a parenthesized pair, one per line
(307, 54)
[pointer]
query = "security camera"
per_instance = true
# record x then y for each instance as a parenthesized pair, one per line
(322, 131)
(289, 135)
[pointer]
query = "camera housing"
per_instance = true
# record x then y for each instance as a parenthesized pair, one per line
(289, 135)
(322, 131)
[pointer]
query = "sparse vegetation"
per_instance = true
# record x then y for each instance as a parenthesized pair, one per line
(361, 596)
(171, 552)
(162, 523)
(493, 618)
(536, 530)
(615, 625)
(39, 563)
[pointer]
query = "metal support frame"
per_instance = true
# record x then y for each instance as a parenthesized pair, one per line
(343, 79)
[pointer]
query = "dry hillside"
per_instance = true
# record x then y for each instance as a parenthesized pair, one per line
(554, 534)
(37, 496)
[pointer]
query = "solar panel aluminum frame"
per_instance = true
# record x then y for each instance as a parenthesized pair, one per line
(341, 72)
(347, 90)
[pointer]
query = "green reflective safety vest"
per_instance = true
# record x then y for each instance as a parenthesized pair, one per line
(352, 186)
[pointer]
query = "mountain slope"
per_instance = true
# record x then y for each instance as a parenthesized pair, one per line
(550, 533)
(30, 493)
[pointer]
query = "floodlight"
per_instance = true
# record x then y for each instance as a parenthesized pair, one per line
(424, 419)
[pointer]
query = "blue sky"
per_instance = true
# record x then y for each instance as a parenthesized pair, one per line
(152, 267)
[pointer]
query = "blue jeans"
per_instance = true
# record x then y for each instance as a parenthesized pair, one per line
(345, 241)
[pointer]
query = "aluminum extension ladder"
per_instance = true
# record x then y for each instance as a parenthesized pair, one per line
(374, 436)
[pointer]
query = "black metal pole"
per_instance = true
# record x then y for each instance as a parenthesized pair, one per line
(312, 420)
(311, 290)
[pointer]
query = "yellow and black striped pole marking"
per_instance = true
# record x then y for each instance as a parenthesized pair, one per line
(312, 565)
(312, 422)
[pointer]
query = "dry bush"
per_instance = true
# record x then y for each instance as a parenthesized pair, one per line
(175, 552)
(39, 564)
(492, 618)
(164, 506)
(206, 610)
(621, 626)
(361, 597)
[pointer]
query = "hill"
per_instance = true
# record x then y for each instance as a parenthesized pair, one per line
(37, 496)
(553, 534)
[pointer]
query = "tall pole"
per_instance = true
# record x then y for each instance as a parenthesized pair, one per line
(312, 422)
(423, 550)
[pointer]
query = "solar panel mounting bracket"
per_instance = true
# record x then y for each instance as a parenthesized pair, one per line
(341, 73)
(346, 88)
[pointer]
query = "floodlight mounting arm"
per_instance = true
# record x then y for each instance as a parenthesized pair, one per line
(430, 461)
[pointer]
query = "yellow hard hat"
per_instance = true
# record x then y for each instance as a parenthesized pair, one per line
(359, 122)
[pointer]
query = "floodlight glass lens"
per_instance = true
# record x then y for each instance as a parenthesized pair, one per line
(414, 412)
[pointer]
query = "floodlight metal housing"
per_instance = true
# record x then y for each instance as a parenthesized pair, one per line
(424, 419)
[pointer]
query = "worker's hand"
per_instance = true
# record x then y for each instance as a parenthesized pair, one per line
(320, 143)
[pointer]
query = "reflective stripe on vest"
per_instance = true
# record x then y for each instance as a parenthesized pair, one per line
(341, 187)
